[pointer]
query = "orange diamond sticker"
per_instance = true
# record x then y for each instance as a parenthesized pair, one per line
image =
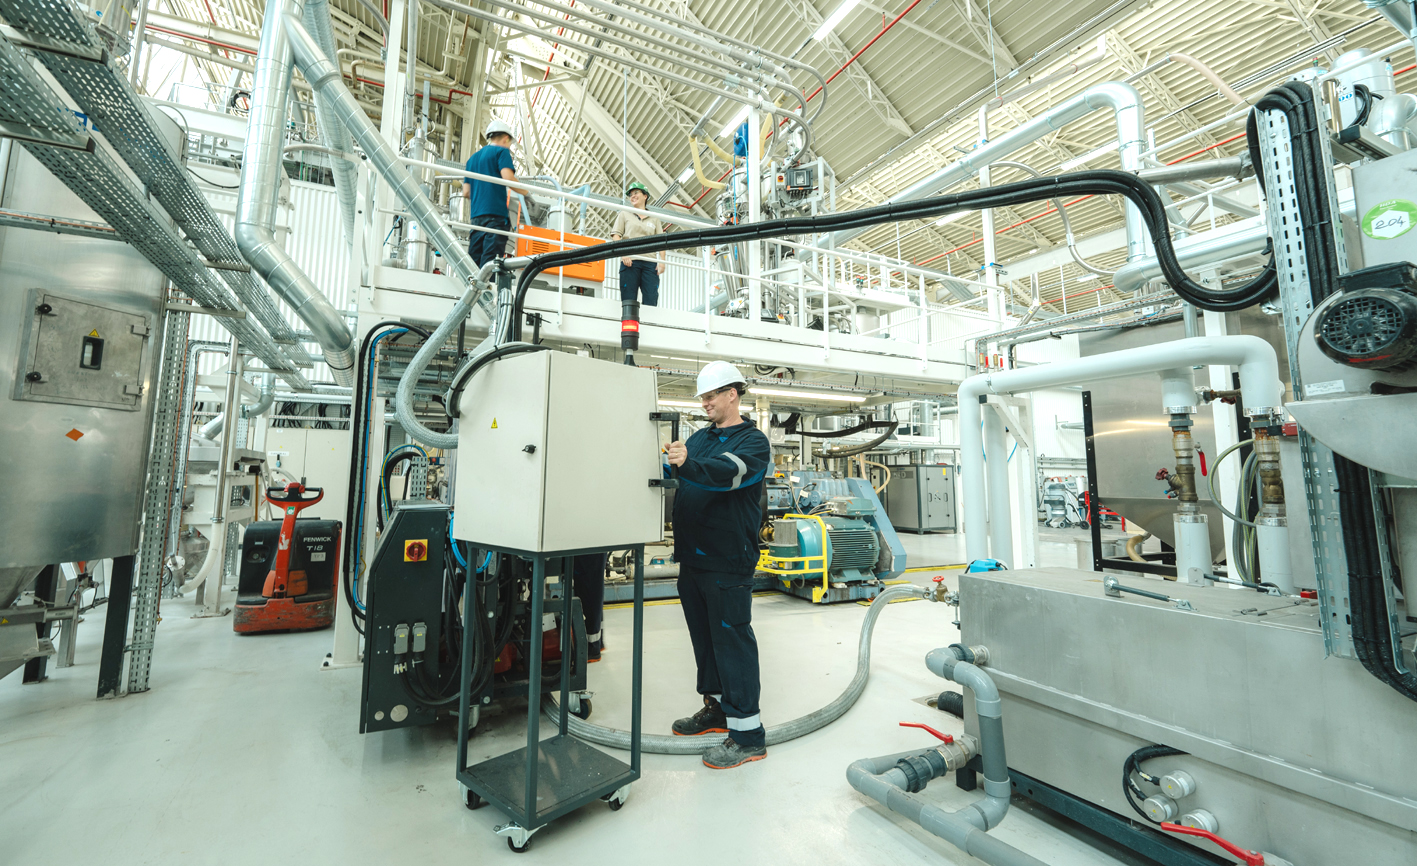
(74, 434)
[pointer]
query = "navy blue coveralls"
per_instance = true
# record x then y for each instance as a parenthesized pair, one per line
(487, 206)
(717, 515)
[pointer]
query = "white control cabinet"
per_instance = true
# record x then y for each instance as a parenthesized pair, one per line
(555, 453)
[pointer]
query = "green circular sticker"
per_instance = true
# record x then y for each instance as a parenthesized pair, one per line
(1390, 219)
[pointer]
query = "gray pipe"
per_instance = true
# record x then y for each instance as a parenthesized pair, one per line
(1195, 251)
(715, 303)
(255, 205)
(332, 131)
(1210, 169)
(660, 744)
(214, 427)
(1124, 101)
(324, 76)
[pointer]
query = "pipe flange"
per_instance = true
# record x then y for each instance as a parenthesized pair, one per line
(1190, 517)
(917, 772)
(1281, 522)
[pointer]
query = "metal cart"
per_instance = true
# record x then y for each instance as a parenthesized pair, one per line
(546, 779)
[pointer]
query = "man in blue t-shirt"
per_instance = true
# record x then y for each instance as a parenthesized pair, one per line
(487, 202)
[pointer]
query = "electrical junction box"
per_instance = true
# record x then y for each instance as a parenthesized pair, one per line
(556, 453)
(82, 354)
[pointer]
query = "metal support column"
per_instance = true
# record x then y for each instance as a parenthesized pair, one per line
(37, 669)
(115, 629)
(157, 505)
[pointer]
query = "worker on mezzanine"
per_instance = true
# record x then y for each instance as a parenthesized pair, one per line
(639, 276)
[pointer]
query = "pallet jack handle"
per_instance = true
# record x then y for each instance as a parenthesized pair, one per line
(292, 499)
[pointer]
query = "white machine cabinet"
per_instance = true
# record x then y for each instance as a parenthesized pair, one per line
(555, 453)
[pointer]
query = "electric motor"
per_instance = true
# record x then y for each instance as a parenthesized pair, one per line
(1373, 323)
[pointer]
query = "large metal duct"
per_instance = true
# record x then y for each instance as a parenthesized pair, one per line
(1194, 252)
(256, 201)
(1122, 98)
(332, 131)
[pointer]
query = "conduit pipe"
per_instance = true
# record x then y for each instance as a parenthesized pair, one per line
(1125, 103)
(214, 427)
(1260, 390)
(1192, 252)
(332, 131)
(893, 780)
(660, 744)
(1209, 75)
(256, 200)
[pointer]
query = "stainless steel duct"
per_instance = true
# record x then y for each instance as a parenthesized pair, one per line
(1122, 98)
(256, 200)
(1196, 251)
(332, 132)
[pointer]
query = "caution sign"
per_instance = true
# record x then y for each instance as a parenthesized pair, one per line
(93, 333)
(494, 423)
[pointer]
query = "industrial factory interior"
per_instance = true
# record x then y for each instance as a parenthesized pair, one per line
(862, 432)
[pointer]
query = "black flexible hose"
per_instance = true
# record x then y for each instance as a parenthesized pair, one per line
(357, 421)
(835, 434)
(469, 369)
(1097, 182)
(861, 449)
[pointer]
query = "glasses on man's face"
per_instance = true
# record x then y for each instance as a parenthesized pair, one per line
(709, 397)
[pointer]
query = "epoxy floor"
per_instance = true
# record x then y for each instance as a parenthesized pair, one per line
(244, 751)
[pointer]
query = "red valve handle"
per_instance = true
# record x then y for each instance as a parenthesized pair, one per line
(944, 738)
(1250, 858)
(1202, 456)
(940, 579)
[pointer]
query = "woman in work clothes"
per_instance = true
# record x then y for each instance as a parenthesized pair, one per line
(639, 278)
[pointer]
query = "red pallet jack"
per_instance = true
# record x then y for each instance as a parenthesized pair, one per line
(294, 596)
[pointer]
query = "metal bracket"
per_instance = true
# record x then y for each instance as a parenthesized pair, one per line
(48, 44)
(29, 134)
(665, 483)
(664, 416)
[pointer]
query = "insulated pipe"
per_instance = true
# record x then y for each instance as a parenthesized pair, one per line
(1126, 104)
(1260, 391)
(1194, 251)
(660, 744)
(213, 428)
(335, 136)
(324, 76)
(256, 200)
(1209, 75)
(1208, 169)
(996, 448)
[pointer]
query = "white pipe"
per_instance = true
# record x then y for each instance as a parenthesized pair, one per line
(996, 448)
(1126, 104)
(1272, 541)
(1260, 391)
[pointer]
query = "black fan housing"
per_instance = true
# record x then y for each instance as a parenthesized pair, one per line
(1373, 328)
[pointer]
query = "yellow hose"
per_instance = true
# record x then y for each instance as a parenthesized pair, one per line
(1134, 547)
(698, 166)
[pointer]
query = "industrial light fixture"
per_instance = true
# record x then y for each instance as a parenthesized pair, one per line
(736, 122)
(685, 175)
(951, 217)
(808, 395)
(834, 19)
(1089, 157)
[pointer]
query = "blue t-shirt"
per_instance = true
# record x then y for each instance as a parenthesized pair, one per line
(489, 199)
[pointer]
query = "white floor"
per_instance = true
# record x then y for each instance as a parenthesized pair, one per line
(243, 751)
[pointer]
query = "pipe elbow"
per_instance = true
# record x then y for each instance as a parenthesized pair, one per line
(991, 810)
(941, 662)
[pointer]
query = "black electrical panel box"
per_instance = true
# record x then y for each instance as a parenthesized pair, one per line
(405, 602)
(314, 549)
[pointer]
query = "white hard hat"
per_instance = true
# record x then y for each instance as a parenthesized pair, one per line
(498, 126)
(716, 375)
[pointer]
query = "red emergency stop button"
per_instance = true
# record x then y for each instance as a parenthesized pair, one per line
(415, 550)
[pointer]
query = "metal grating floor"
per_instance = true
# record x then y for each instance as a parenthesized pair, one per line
(126, 123)
(25, 100)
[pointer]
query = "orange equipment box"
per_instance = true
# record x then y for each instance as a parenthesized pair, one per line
(592, 271)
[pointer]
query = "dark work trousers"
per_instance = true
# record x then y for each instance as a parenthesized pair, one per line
(485, 246)
(588, 584)
(718, 607)
(639, 279)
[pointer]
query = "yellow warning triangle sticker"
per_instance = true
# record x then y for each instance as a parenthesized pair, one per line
(93, 333)
(494, 423)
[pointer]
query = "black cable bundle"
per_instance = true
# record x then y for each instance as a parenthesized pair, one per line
(1367, 596)
(1097, 182)
(1133, 766)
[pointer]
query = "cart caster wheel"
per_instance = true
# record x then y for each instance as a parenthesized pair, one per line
(472, 801)
(1084, 525)
(583, 711)
(519, 850)
(616, 804)
(617, 798)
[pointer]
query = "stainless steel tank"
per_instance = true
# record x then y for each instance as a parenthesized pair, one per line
(80, 323)
(1133, 440)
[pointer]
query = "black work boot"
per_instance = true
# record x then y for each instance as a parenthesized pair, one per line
(731, 753)
(709, 720)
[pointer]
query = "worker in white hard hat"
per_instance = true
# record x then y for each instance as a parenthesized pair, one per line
(717, 514)
(488, 202)
(639, 275)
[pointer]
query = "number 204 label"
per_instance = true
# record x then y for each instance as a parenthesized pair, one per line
(1390, 219)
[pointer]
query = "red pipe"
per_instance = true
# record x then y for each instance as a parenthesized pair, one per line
(189, 36)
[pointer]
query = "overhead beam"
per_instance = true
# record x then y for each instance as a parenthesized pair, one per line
(928, 33)
(983, 29)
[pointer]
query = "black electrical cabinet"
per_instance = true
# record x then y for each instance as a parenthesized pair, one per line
(405, 605)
